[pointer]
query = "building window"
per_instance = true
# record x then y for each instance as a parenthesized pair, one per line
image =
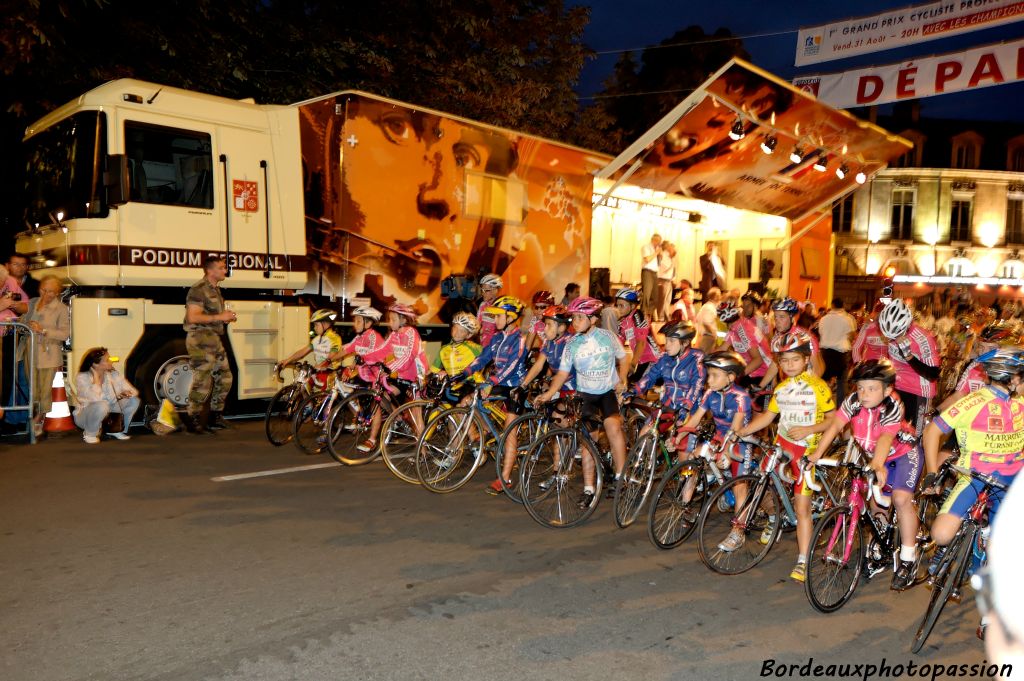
(169, 166)
(966, 150)
(1015, 220)
(842, 215)
(902, 214)
(960, 220)
(1016, 163)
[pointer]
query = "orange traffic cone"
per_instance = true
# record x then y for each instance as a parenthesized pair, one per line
(58, 419)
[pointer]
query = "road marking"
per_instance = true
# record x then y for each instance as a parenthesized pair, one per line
(276, 471)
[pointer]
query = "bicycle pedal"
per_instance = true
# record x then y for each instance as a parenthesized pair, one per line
(956, 596)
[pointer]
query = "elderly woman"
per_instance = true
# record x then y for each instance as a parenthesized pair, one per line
(51, 321)
(101, 390)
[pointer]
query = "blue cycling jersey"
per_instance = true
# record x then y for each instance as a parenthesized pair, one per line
(683, 378)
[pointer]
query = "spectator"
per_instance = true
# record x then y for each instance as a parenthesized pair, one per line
(712, 270)
(609, 318)
(17, 267)
(101, 390)
(13, 302)
(808, 316)
(206, 318)
(836, 332)
(707, 320)
(666, 274)
(50, 319)
(649, 255)
(683, 309)
(572, 292)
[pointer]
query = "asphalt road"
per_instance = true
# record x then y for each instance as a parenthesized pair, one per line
(127, 560)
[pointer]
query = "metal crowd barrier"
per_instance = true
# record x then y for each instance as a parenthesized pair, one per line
(15, 336)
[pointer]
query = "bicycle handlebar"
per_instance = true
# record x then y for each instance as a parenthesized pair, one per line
(980, 477)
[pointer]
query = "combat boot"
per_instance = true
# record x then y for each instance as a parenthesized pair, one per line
(192, 425)
(217, 421)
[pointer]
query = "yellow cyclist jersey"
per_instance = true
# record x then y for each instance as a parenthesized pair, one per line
(801, 400)
(324, 346)
(989, 426)
(455, 357)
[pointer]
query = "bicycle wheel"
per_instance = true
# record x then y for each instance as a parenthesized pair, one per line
(835, 559)
(947, 579)
(526, 429)
(450, 450)
(280, 412)
(671, 519)
(349, 426)
(757, 521)
(398, 439)
(551, 479)
(309, 423)
(634, 486)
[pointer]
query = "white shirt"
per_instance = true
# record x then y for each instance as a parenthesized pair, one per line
(716, 262)
(666, 266)
(649, 256)
(708, 318)
(834, 330)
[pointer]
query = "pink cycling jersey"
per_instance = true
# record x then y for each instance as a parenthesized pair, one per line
(634, 332)
(403, 353)
(868, 425)
(871, 344)
(366, 342)
(745, 338)
(974, 379)
(486, 319)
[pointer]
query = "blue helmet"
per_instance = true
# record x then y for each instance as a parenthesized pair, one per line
(786, 305)
(630, 295)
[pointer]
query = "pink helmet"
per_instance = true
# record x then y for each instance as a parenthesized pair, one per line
(403, 310)
(586, 305)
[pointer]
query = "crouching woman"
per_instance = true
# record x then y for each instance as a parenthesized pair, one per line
(101, 390)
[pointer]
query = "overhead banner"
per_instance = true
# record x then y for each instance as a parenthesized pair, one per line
(938, 75)
(901, 27)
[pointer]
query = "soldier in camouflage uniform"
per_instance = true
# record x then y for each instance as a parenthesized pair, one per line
(205, 319)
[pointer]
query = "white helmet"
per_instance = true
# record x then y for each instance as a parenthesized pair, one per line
(492, 280)
(895, 319)
(466, 321)
(367, 312)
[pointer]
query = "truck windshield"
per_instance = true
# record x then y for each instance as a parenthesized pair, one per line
(64, 170)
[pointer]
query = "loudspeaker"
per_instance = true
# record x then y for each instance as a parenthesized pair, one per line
(600, 282)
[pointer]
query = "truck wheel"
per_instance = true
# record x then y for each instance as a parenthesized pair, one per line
(166, 374)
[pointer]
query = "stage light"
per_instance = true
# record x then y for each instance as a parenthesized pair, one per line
(821, 164)
(861, 177)
(737, 132)
(842, 171)
(796, 156)
(769, 143)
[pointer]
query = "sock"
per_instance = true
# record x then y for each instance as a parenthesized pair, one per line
(801, 558)
(589, 488)
(908, 553)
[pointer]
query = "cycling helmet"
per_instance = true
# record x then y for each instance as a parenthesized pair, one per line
(684, 331)
(543, 298)
(895, 319)
(507, 305)
(491, 280)
(557, 313)
(403, 310)
(323, 315)
(754, 297)
(1002, 364)
(728, 312)
(586, 305)
(630, 295)
(794, 341)
(786, 305)
(998, 331)
(726, 360)
(874, 370)
(367, 313)
(467, 321)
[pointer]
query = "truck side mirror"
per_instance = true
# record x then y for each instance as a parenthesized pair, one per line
(115, 179)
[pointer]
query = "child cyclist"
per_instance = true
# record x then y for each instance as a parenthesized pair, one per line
(878, 424)
(324, 345)
(600, 365)
(456, 355)
(745, 338)
(490, 286)
(803, 403)
(681, 369)
(786, 311)
(635, 332)
(402, 352)
(542, 300)
(730, 407)
(507, 352)
(367, 340)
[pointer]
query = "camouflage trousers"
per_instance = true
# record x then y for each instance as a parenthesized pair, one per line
(211, 374)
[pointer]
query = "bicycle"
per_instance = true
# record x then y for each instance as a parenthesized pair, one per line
(683, 489)
(837, 555)
(312, 415)
(455, 444)
(634, 486)
(277, 423)
(400, 432)
(765, 512)
(967, 547)
(526, 429)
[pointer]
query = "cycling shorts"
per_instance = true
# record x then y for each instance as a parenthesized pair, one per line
(510, 405)
(797, 452)
(903, 472)
(966, 492)
(604, 405)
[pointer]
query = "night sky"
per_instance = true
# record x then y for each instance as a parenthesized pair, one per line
(617, 26)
